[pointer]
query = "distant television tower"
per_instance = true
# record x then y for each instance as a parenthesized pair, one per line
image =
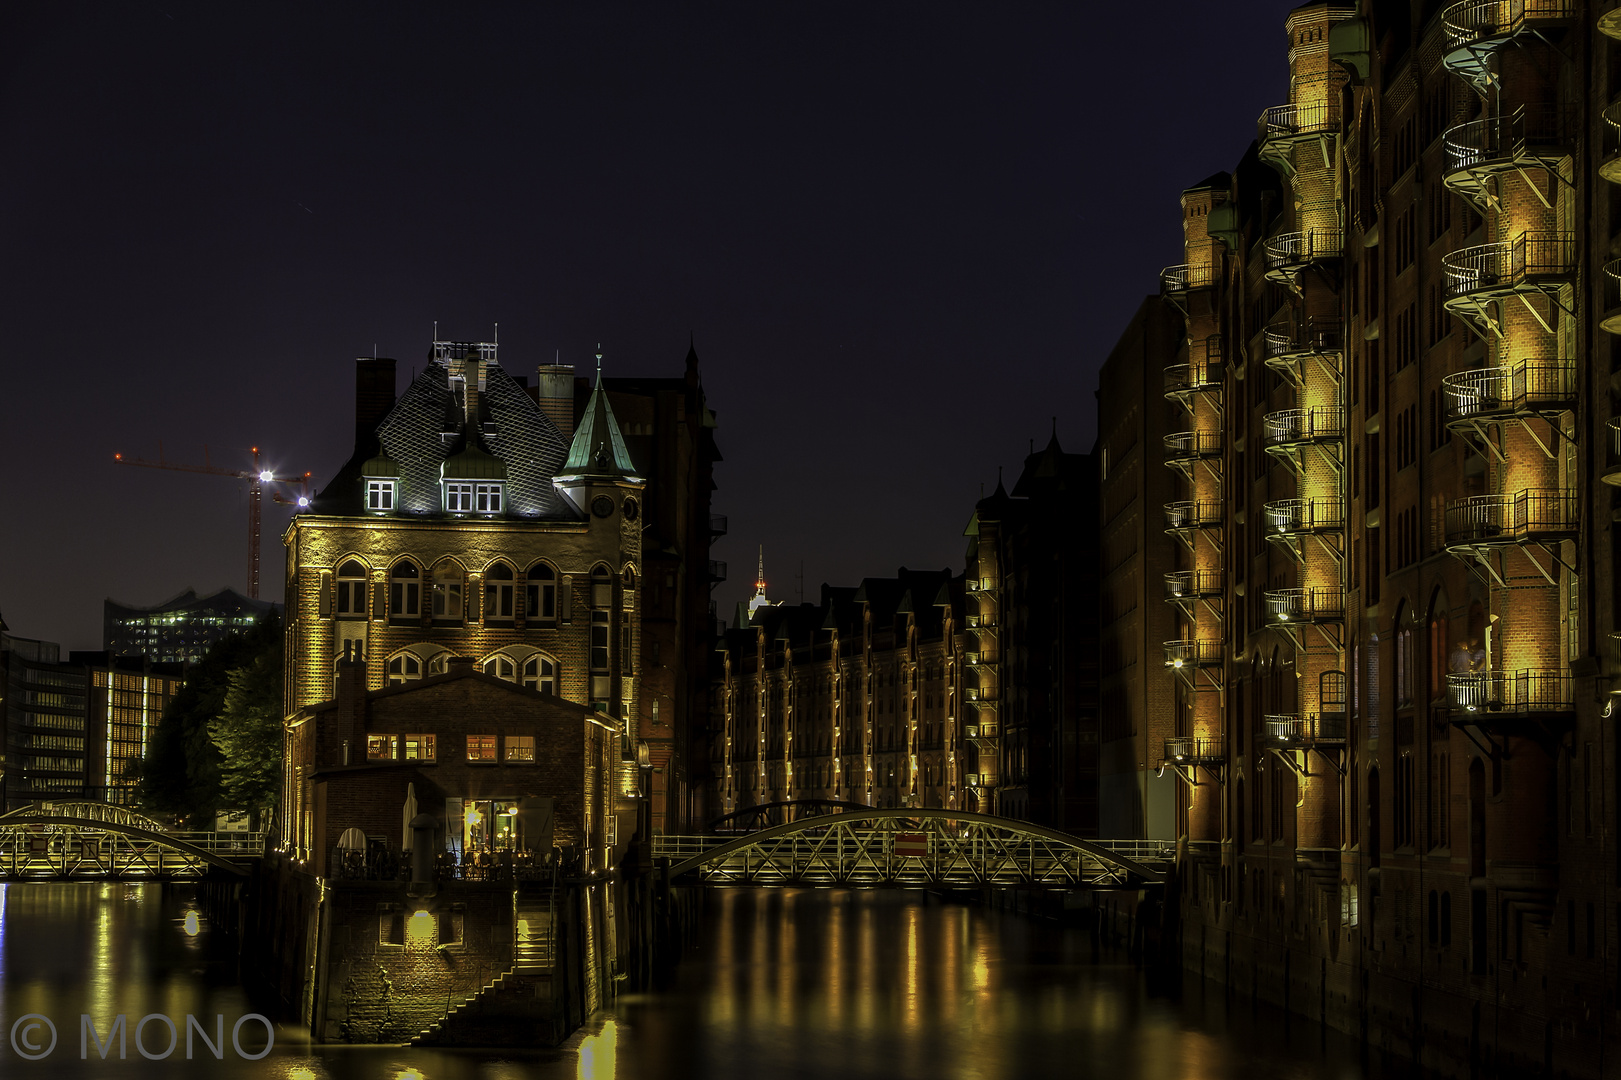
(759, 600)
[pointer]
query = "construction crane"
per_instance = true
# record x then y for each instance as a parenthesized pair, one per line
(257, 478)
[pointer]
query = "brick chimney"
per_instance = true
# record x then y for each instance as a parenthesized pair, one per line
(460, 665)
(374, 397)
(344, 739)
(554, 390)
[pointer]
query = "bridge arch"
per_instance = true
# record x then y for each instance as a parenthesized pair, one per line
(103, 818)
(874, 845)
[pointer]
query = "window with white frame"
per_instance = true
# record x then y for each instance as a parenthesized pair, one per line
(501, 667)
(352, 590)
(404, 668)
(447, 591)
(499, 585)
(540, 593)
(404, 590)
(540, 673)
(379, 495)
(487, 497)
(458, 497)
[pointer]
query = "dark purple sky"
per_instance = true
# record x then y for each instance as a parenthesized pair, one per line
(905, 237)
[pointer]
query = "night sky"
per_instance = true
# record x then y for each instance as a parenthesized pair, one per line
(904, 237)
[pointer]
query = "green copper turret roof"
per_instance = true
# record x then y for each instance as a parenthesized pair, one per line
(598, 448)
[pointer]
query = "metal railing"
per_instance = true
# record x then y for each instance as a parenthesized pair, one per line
(1185, 276)
(1315, 604)
(1525, 691)
(1525, 387)
(1186, 445)
(1183, 652)
(717, 570)
(1304, 515)
(1508, 265)
(1292, 730)
(1296, 249)
(1289, 426)
(1193, 376)
(1193, 515)
(1191, 749)
(1506, 138)
(1287, 120)
(1511, 518)
(1193, 584)
(717, 524)
(1286, 337)
(1614, 462)
(1473, 22)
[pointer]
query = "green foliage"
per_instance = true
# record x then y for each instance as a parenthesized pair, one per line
(248, 733)
(183, 773)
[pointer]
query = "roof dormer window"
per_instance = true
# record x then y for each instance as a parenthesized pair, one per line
(487, 497)
(458, 497)
(380, 496)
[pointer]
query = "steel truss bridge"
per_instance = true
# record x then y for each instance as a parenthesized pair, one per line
(914, 847)
(88, 841)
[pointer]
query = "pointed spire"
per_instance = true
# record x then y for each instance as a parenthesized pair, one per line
(599, 447)
(759, 600)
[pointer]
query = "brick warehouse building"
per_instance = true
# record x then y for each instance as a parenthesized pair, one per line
(897, 692)
(1392, 736)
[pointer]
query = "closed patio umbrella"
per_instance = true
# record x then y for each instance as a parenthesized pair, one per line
(410, 812)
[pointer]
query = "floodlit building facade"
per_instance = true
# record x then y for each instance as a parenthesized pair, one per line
(1394, 673)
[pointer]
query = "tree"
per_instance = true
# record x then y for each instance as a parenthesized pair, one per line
(180, 777)
(247, 733)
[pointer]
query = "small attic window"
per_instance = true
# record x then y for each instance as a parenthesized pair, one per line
(380, 495)
(487, 497)
(458, 497)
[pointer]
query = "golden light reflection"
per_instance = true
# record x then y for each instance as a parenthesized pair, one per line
(191, 924)
(407, 1074)
(597, 1054)
(302, 1070)
(866, 964)
(785, 960)
(914, 915)
(835, 958)
(419, 927)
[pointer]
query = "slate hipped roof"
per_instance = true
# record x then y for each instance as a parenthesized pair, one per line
(425, 438)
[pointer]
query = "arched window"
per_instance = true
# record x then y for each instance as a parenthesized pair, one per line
(540, 593)
(402, 668)
(501, 667)
(351, 590)
(540, 673)
(1440, 657)
(1404, 657)
(498, 592)
(404, 590)
(447, 592)
(629, 579)
(439, 663)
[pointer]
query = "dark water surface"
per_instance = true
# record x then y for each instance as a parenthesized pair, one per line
(783, 984)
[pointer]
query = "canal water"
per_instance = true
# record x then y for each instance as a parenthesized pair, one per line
(780, 984)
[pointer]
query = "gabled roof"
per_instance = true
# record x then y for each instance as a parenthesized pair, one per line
(599, 447)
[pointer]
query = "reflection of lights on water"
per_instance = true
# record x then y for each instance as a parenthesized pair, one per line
(407, 1074)
(192, 924)
(302, 1072)
(597, 1054)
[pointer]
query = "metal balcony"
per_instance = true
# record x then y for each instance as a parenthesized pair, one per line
(1293, 428)
(1612, 464)
(1609, 23)
(717, 570)
(980, 780)
(1529, 388)
(1477, 28)
(1192, 446)
(1289, 518)
(717, 524)
(1533, 515)
(1478, 696)
(1480, 150)
(1534, 262)
(1184, 653)
(1289, 730)
(1290, 343)
(1183, 516)
(1196, 750)
(1294, 121)
(1185, 277)
(1203, 373)
(1289, 253)
(1310, 605)
(1610, 321)
(1193, 585)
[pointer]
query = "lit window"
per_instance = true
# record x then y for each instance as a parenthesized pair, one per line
(403, 668)
(447, 592)
(458, 497)
(501, 667)
(540, 673)
(417, 747)
(405, 591)
(380, 747)
(481, 748)
(488, 498)
(540, 593)
(520, 748)
(379, 495)
(352, 590)
(498, 592)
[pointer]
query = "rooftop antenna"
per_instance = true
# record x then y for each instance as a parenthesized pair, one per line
(436, 329)
(599, 362)
(498, 341)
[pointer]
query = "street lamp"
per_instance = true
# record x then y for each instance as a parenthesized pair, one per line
(644, 805)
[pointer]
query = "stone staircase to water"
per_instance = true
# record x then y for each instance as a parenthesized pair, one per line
(515, 1008)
